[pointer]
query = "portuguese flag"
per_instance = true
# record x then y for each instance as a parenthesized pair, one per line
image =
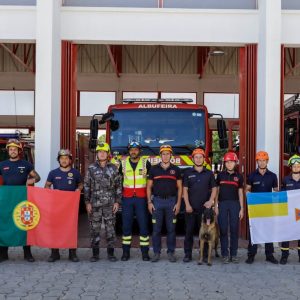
(38, 217)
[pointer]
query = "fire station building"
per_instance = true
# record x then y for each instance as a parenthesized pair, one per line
(61, 61)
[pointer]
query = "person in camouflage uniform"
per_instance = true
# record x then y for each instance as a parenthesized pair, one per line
(102, 194)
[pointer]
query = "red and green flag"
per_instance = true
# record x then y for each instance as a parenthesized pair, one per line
(38, 217)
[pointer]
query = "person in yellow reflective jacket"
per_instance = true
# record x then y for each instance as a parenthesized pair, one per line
(134, 170)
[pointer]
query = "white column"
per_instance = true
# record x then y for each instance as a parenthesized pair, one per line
(268, 87)
(48, 86)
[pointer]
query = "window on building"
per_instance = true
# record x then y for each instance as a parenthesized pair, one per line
(225, 104)
(291, 123)
(290, 4)
(18, 2)
(112, 3)
(211, 4)
(140, 95)
(192, 96)
(20, 103)
(95, 102)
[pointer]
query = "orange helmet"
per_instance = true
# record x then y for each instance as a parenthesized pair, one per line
(165, 148)
(198, 151)
(14, 143)
(263, 155)
(230, 156)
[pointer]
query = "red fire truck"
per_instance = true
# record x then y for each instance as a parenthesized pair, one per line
(153, 122)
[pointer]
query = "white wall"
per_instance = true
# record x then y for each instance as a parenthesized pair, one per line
(269, 26)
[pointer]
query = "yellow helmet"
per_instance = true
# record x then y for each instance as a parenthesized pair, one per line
(103, 147)
(295, 159)
(14, 143)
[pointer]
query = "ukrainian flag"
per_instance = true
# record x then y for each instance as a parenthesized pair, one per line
(263, 205)
(274, 217)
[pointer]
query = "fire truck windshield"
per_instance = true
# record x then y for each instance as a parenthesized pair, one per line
(183, 129)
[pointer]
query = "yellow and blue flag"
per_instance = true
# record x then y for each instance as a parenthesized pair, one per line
(274, 217)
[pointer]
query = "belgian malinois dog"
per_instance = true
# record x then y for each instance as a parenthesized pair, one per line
(209, 233)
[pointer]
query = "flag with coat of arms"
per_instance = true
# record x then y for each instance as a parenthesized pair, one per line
(38, 217)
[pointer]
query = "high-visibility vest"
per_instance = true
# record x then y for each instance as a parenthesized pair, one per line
(134, 182)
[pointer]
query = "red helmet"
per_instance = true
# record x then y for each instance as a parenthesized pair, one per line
(230, 156)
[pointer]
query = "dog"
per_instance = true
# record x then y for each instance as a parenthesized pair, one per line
(209, 233)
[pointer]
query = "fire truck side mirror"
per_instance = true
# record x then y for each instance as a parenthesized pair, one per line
(114, 125)
(106, 117)
(222, 133)
(93, 133)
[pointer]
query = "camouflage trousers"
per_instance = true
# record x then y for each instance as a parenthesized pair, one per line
(106, 215)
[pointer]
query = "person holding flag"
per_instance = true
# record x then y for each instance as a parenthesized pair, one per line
(291, 182)
(261, 180)
(64, 178)
(17, 172)
(102, 194)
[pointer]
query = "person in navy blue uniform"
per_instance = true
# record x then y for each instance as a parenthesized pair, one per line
(261, 180)
(199, 192)
(16, 171)
(229, 206)
(64, 178)
(164, 191)
(291, 182)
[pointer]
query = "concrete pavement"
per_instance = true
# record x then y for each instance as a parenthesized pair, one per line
(136, 279)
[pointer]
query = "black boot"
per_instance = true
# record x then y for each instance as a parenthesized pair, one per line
(54, 255)
(95, 256)
(110, 255)
(73, 256)
(3, 253)
(27, 254)
(250, 259)
(125, 255)
(187, 257)
(283, 260)
(145, 256)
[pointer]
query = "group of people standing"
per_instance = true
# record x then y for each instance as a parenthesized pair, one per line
(157, 191)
